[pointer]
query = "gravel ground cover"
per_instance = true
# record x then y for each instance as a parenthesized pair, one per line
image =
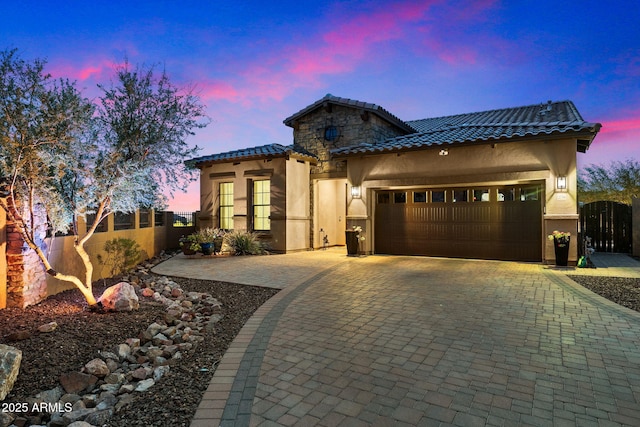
(621, 290)
(80, 335)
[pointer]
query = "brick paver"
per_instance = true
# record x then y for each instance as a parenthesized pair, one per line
(424, 341)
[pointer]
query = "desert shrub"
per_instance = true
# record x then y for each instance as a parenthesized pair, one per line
(122, 254)
(209, 234)
(244, 242)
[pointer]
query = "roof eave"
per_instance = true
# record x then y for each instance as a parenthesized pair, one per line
(291, 120)
(584, 138)
(206, 163)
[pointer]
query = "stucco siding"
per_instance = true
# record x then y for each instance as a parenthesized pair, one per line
(63, 257)
(298, 205)
(488, 164)
(289, 198)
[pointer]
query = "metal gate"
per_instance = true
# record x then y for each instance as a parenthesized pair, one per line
(608, 224)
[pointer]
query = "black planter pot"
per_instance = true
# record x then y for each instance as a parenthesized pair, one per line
(562, 251)
(353, 243)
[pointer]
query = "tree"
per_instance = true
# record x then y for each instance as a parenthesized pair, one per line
(619, 182)
(69, 157)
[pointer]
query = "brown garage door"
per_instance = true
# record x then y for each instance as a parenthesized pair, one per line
(503, 223)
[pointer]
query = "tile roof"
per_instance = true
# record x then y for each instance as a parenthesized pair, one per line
(261, 152)
(508, 123)
(366, 106)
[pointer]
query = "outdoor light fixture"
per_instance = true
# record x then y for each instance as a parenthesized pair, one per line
(356, 192)
(444, 152)
(561, 183)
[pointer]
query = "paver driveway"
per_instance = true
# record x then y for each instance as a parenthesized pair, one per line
(424, 341)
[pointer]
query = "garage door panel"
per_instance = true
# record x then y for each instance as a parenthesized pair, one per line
(491, 230)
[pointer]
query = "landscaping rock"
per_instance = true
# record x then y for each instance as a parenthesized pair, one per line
(97, 367)
(140, 374)
(75, 382)
(120, 297)
(10, 358)
(123, 351)
(6, 419)
(159, 372)
(51, 396)
(145, 385)
(99, 418)
(48, 327)
(134, 365)
(77, 415)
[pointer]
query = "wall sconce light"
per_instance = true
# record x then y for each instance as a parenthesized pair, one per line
(444, 152)
(561, 183)
(356, 192)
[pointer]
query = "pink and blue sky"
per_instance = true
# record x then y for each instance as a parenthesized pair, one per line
(254, 63)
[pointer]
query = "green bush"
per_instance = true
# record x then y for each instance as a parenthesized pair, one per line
(122, 255)
(244, 242)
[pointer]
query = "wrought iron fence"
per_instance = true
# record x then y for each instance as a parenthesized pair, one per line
(184, 219)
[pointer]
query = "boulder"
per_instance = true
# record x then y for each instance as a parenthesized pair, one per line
(120, 297)
(10, 358)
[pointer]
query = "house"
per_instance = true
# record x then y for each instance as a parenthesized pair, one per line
(488, 185)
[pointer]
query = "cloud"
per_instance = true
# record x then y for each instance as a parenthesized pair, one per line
(621, 125)
(92, 69)
(353, 40)
(370, 37)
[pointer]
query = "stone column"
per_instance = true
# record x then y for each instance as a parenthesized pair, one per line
(3, 259)
(635, 226)
(26, 276)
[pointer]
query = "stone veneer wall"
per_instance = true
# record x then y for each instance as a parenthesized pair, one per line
(26, 276)
(354, 127)
(3, 259)
(635, 227)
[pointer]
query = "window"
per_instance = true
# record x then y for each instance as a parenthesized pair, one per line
(481, 195)
(262, 205)
(460, 195)
(506, 194)
(383, 198)
(437, 196)
(530, 193)
(419, 196)
(226, 205)
(400, 197)
(330, 133)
